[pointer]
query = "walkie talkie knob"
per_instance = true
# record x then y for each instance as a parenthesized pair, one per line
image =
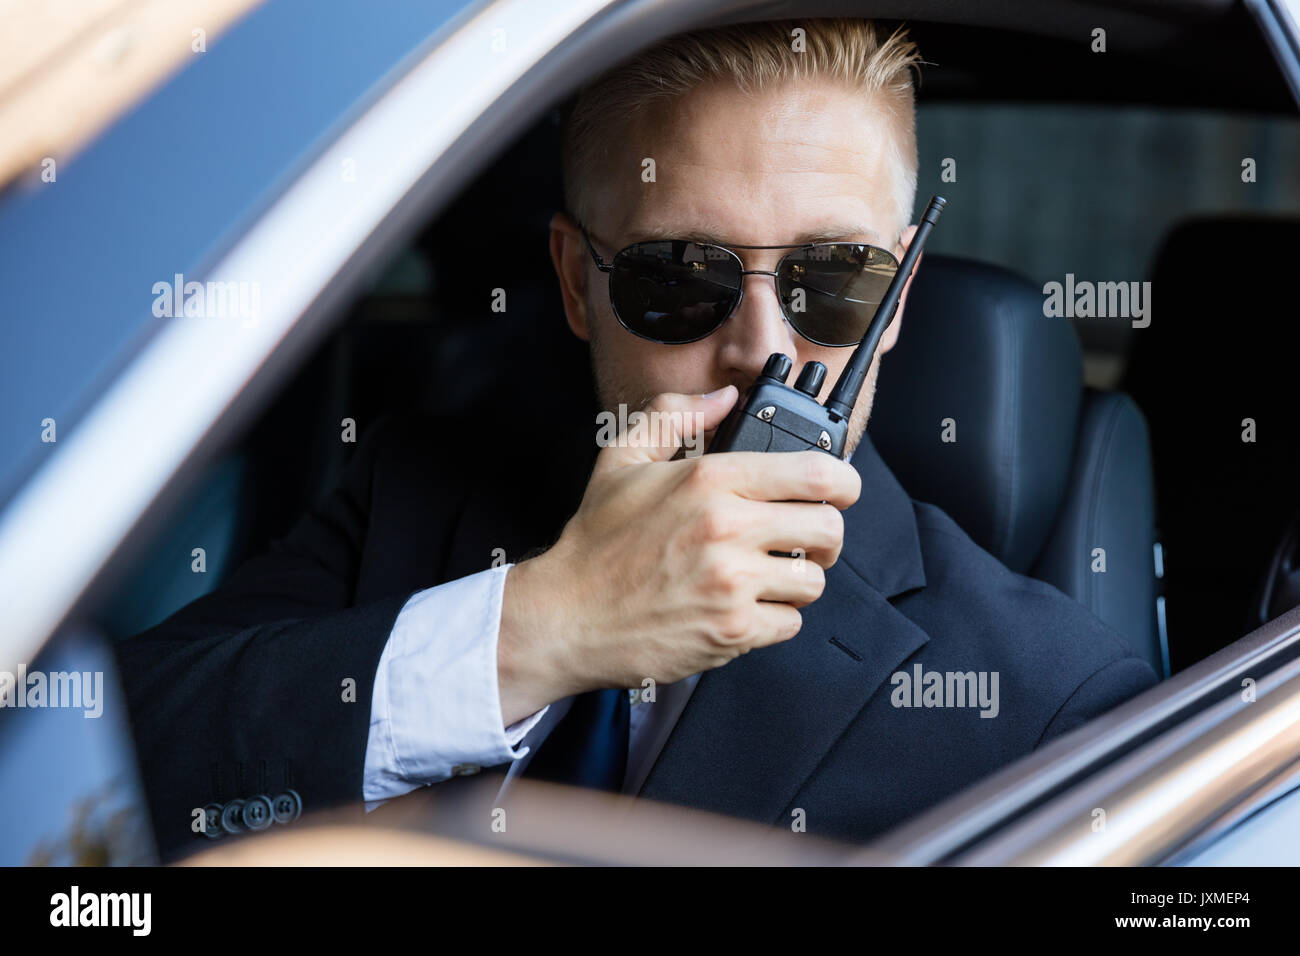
(778, 366)
(811, 379)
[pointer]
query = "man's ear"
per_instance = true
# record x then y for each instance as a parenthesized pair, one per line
(890, 337)
(569, 256)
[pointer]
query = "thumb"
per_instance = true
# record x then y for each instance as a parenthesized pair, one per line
(668, 423)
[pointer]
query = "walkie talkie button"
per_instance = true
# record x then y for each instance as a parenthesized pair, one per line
(778, 366)
(765, 414)
(811, 379)
(824, 441)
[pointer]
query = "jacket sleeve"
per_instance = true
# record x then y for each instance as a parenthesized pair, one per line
(1105, 689)
(265, 684)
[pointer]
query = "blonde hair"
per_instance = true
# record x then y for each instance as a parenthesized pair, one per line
(754, 56)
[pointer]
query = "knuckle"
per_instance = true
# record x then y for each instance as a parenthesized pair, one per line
(716, 522)
(794, 627)
(818, 476)
(731, 627)
(833, 523)
(719, 578)
(856, 481)
(816, 581)
(709, 471)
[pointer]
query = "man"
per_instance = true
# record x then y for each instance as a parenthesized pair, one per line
(371, 653)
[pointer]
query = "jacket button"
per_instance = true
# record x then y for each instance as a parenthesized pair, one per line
(286, 807)
(212, 828)
(465, 769)
(257, 813)
(230, 816)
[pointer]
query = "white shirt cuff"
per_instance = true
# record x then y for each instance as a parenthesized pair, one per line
(436, 706)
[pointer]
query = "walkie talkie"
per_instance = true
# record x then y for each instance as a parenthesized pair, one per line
(772, 416)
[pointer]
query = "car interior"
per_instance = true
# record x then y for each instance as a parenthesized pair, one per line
(1072, 437)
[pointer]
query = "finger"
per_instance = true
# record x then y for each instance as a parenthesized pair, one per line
(669, 422)
(782, 476)
(814, 530)
(794, 581)
(777, 622)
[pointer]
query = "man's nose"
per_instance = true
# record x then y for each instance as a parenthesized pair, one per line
(755, 330)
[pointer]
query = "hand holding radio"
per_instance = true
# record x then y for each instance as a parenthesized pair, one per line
(665, 571)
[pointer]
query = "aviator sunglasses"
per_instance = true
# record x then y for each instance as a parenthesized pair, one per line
(675, 291)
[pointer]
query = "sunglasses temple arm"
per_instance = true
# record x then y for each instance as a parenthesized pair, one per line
(601, 264)
(847, 388)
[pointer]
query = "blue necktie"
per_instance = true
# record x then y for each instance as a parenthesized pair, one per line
(588, 747)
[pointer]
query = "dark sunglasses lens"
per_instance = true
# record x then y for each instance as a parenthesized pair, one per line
(673, 291)
(831, 292)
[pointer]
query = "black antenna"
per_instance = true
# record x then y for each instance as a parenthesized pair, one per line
(845, 393)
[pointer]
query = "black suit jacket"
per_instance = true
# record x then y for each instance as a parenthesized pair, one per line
(246, 690)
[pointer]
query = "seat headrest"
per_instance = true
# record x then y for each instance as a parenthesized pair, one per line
(977, 405)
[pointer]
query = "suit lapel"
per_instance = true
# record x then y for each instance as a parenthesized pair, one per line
(756, 729)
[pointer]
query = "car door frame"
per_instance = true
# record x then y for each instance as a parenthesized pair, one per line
(63, 541)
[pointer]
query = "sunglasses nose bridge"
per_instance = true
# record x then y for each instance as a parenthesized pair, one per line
(776, 289)
(777, 308)
(761, 272)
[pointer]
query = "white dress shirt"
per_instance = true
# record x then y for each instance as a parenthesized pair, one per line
(436, 708)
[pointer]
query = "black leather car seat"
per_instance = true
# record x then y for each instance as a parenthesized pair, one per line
(981, 410)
